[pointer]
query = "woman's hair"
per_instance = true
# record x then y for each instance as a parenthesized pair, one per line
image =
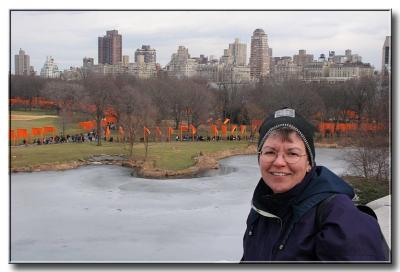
(284, 133)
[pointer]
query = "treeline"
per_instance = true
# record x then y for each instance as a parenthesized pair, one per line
(139, 103)
(195, 101)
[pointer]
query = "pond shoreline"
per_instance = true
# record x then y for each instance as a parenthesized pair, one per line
(144, 169)
(147, 169)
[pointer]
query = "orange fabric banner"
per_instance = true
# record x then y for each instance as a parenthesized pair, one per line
(193, 129)
(88, 125)
(37, 132)
(49, 130)
(13, 136)
(22, 133)
(146, 132)
(110, 119)
(214, 130)
(184, 128)
(107, 133)
(255, 124)
(223, 130)
(329, 127)
(170, 131)
(242, 129)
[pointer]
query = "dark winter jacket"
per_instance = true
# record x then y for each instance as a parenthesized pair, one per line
(284, 227)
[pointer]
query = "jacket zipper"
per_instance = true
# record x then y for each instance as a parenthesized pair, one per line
(272, 217)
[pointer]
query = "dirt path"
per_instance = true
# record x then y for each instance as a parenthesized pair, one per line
(18, 117)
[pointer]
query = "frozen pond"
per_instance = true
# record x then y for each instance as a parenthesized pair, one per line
(102, 214)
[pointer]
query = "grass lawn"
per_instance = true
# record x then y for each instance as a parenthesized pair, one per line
(58, 153)
(172, 156)
(53, 120)
(368, 191)
(180, 155)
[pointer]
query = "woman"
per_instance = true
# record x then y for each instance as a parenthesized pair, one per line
(302, 212)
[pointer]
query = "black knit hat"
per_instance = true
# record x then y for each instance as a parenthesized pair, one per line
(289, 118)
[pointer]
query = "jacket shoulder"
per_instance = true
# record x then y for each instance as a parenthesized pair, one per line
(347, 234)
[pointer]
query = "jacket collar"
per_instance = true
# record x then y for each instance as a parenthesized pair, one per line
(279, 204)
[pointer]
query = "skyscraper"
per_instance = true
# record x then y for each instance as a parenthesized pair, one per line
(387, 55)
(238, 51)
(88, 62)
(22, 63)
(110, 48)
(259, 58)
(181, 64)
(50, 69)
(303, 58)
(148, 53)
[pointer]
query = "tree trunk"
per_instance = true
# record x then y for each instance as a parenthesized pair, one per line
(98, 128)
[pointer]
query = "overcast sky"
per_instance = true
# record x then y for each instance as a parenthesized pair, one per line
(69, 36)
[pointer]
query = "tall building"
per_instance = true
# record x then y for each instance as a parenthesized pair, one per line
(50, 69)
(110, 48)
(387, 55)
(22, 63)
(259, 58)
(303, 58)
(181, 64)
(125, 60)
(227, 58)
(88, 62)
(238, 52)
(348, 57)
(148, 53)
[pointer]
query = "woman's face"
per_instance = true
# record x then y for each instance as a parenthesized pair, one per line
(279, 175)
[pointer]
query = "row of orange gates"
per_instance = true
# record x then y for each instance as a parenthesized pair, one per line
(22, 134)
(234, 131)
(324, 128)
(158, 132)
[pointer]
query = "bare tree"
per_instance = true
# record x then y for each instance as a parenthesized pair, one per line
(270, 95)
(27, 87)
(137, 111)
(336, 100)
(370, 156)
(98, 91)
(197, 98)
(65, 94)
(361, 94)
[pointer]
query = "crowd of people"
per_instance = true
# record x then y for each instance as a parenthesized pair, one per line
(200, 138)
(58, 139)
(92, 137)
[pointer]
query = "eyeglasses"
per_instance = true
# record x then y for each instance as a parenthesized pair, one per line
(271, 155)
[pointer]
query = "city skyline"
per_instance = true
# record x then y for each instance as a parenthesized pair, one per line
(202, 32)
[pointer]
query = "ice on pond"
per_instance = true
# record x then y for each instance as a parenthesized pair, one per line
(102, 213)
